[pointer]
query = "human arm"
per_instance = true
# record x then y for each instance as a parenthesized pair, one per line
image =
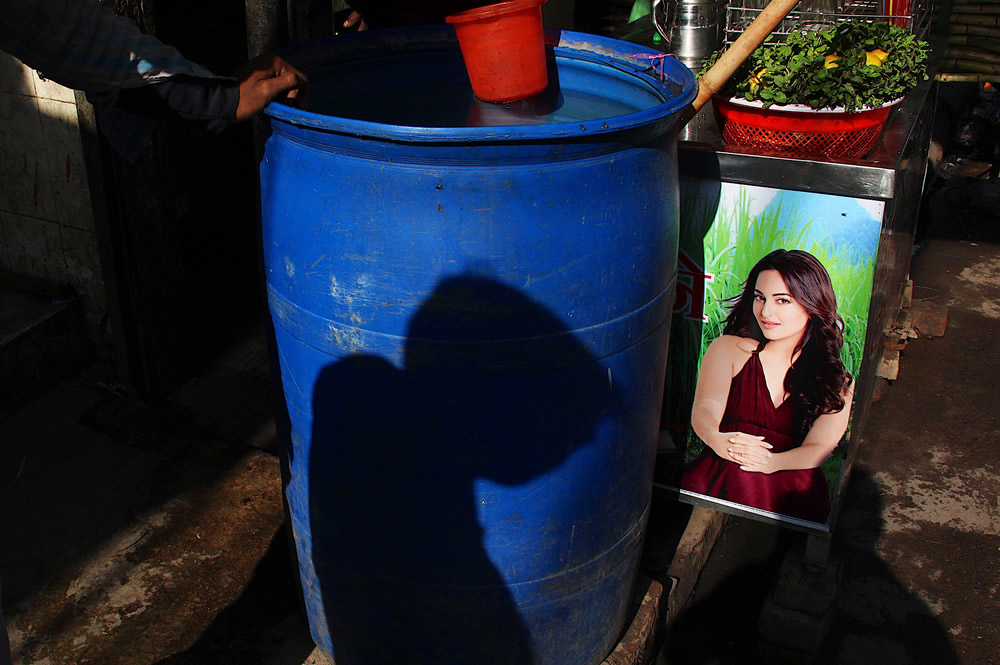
(820, 442)
(218, 101)
(722, 360)
(85, 46)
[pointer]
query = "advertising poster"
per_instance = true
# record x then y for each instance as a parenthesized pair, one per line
(767, 341)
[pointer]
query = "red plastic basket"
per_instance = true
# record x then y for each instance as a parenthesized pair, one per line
(795, 128)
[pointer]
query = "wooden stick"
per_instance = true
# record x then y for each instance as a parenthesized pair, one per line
(973, 54)
(963, 78)
(974, 19)
(712, 81)
(977, 9)
(983, 43)
(966, 66)
(980, 31)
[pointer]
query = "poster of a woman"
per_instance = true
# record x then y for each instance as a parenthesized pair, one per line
(773, 398)
(767, 348)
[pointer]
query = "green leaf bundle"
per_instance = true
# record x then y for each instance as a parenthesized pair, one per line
(854, 65)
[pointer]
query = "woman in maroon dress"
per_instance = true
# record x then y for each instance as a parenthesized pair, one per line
(773, 397)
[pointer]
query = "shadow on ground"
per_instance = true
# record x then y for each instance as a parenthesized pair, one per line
(264, 625)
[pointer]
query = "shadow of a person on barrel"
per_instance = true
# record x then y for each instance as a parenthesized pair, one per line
(404, 463)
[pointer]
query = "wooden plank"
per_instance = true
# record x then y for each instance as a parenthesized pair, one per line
(969, 66)
(969, 53)
(981, 30)
(974, 19)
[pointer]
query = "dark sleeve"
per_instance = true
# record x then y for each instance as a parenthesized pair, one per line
(211, 100)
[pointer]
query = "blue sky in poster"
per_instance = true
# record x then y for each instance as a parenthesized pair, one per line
(850, 225)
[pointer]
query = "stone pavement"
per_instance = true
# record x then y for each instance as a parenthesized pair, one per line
(133, 535)
(920, 534)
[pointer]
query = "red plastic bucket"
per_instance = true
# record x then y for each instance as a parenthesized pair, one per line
(503, 49)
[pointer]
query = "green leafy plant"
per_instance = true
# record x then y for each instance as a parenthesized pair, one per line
(854, 65)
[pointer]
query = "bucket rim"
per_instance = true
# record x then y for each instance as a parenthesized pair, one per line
(671, 81)
(494, 10)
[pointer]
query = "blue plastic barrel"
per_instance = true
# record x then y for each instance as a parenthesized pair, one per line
(471, 307)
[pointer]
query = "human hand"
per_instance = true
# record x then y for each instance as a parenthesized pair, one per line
(265, 79)
(355, 18)
(751, 452)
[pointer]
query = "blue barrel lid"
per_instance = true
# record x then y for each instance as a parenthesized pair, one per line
(641, 86)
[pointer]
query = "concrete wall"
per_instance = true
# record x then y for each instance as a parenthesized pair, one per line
(46, 218)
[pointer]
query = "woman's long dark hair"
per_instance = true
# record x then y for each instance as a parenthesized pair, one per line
(817, 376)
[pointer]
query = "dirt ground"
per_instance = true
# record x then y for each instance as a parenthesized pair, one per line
(920, 534)
(148, 534)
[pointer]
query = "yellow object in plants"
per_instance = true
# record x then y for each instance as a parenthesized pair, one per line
(875, 57)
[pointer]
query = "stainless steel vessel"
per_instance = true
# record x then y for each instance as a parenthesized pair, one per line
(693, 28)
